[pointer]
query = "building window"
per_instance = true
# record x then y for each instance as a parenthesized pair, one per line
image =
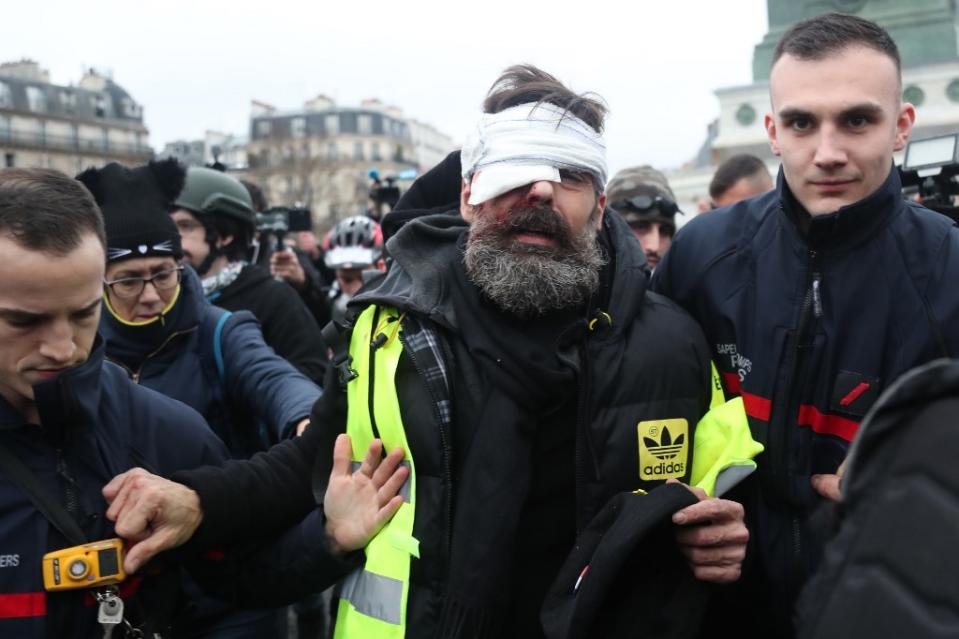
(6, 97)
(364, 124)
(130, 108)
(358, 151)
(375, 152)
(100, 106)
(298, 127)
(332, 152)
(332, 124)
(9, 160)
(69, 101)
(36, 101)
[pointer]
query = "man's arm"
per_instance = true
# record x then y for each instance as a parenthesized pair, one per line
(159, 514)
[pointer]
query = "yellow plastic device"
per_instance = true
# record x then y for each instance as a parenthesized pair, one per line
(99, 563)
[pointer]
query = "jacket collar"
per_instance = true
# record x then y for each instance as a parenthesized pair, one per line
(851, 224)
(71, 400)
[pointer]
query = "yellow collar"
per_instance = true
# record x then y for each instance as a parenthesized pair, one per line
(173, 300)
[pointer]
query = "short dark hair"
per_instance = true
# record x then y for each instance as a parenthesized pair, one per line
(733, 170)
(45, 210)
(256, 195)
(524, 84)
(219, 226)
(825, 35)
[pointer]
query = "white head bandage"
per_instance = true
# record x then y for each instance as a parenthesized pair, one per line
(528, 143)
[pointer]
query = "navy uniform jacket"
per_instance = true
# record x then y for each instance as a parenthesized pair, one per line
(96, 424)
(809, 319)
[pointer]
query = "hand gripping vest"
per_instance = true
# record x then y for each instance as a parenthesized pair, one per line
(373, 600)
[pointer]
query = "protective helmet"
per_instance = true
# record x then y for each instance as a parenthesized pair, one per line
(355, 242)
(208, 192)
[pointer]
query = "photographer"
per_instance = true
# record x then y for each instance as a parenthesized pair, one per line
(214, 214)
(288, 263)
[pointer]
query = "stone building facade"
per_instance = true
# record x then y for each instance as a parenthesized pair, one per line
(68, 128)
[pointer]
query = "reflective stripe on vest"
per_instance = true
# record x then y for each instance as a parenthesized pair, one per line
(373, 599)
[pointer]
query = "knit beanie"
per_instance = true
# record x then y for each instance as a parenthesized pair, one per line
(136, 205)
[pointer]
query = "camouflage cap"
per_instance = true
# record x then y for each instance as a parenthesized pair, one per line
(641, 181)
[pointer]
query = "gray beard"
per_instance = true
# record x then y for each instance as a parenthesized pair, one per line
(530, 280)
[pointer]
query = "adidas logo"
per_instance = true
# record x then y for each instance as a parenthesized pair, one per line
(665, 448)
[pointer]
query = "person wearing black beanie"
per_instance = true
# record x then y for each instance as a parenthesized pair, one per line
(143, 245)
(161, 329)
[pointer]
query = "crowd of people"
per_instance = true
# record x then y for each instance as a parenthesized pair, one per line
(523, 406)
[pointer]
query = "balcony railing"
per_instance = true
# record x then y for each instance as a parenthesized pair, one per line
(70, 144)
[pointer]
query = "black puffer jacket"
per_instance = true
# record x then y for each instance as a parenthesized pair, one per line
(809, 327)
(649, 363)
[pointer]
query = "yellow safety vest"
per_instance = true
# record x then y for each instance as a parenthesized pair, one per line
(373, 599)
(723, 446)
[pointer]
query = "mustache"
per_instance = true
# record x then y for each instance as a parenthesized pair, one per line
(530, 219)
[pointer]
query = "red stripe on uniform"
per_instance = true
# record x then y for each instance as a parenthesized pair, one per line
(23, 604)
(757, 407)
(732, 382)
(827, 424)
(854, 394)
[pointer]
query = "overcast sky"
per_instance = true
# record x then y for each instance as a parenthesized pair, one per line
(196, 65)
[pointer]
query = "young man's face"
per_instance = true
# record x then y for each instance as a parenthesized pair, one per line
(743, 189)
(153, 298)
(192, 237)
(655, 238)
(836, 123)
(49, 310)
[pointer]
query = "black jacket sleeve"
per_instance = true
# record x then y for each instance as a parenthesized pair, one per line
(255, 498)
(261, 497)
(280, 572)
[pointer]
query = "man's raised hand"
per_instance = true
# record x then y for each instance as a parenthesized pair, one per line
(357, 504)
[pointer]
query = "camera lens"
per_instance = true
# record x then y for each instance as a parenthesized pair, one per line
(78, 568)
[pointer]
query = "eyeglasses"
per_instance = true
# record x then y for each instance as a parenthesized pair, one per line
(132, 286)
(643, 203)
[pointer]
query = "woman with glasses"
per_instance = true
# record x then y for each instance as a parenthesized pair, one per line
(161, 329)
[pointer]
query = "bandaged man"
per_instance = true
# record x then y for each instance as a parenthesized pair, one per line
(514, 355)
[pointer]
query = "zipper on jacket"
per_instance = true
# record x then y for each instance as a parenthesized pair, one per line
(71, 495)
(374, 344)
(811, 310)
(135, 374)
(444, 444)
(584, 443)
